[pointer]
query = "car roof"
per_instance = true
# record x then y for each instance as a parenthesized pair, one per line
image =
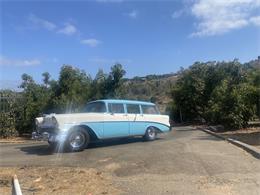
(122, 101)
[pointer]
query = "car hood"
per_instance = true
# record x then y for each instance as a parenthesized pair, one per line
(63, 121)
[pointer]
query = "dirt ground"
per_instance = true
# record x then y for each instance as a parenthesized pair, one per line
(183, 161)
(15, 140)
(44, 180)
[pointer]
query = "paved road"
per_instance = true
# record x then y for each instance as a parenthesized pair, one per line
(184, 161)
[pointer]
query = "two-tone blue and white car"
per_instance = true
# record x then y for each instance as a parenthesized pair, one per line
(102, 119)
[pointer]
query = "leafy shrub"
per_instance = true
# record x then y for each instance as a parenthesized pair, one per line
(7, 114)
(224, 93)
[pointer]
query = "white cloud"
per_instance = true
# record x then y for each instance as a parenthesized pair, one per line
(39, 22)
(133, 14)
(221, 16)
(68, 29)
(91, 42)
(255, 20)
(18, 62)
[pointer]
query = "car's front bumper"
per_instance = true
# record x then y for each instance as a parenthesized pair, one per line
(40, 136)
(50, 137)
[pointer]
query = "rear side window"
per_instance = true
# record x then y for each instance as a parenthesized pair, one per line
(116, 108)
(98, 107)
(133, 109)
(149, 109)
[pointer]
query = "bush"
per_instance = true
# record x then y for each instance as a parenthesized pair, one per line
(7, 125)
(223, 93)
(7, 114)
(69, 93)
(231, 106)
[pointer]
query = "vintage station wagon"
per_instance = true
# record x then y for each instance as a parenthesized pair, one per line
(102, 119)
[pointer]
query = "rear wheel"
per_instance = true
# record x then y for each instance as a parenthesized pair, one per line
(77, 140)
(150, 134)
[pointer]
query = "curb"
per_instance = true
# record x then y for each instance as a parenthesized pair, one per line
(248, 148)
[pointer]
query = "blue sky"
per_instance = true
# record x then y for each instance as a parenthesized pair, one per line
(147, 37)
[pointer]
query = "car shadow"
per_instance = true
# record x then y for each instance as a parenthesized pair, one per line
(114, 142)
(42, 150)
(37, 150)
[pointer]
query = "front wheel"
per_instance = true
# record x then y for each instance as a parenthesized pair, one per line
(77, 140)
(150, 134)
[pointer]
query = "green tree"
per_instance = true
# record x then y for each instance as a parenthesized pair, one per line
(218, 92)
(46, 78)
(26, 81)
(253, 79)
(35, 98)
(114, 81)
(98, 85)
(7, 113)
(72, 90)
(231, 105)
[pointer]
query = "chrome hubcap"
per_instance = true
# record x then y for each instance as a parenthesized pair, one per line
(151, 132)
(77, 139)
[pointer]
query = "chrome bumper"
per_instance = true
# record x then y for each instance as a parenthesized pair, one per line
(40, 137)
(45, 136)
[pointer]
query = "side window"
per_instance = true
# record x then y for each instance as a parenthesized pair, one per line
(147, 109)
(97, 107)
(133, 109)
(116, 108)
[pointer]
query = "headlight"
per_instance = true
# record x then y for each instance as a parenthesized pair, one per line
(54, 121)
(36, 123)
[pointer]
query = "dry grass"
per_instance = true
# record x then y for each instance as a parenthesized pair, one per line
(57, 180)
(15, 139)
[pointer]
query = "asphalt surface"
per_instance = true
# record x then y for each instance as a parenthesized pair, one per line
(184, 161)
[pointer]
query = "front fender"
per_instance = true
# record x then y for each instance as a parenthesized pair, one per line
(160, 127)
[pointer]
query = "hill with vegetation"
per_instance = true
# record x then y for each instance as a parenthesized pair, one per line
(225, 93)
(154, 88)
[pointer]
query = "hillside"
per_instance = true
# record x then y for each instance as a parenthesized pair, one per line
(253, 64)
(155, 88)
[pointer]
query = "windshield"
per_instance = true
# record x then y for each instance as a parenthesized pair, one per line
(98, 107)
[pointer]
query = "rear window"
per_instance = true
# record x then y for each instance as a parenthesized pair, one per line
(133, 109)
(116, 108)
(149, 109)
(96, 107)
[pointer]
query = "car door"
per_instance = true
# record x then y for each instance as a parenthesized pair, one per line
(136, 124)
(116, 121)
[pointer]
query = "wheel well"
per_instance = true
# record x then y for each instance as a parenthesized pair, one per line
(156, 129)
(93, 136)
